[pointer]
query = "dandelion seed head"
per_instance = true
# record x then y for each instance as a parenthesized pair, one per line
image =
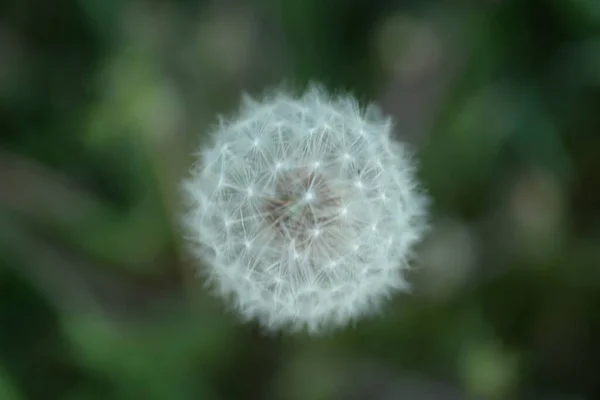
(304, 211)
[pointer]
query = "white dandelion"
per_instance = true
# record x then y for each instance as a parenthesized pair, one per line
(304, 212)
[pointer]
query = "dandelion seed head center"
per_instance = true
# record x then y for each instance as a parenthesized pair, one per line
(303, 207)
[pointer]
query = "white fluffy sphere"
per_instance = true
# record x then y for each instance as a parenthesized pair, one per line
(304, 211)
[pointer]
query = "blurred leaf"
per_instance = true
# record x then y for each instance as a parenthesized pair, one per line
(7, 390)
(167, 358)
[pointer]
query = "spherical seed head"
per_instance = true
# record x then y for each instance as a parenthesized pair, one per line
(304, 211)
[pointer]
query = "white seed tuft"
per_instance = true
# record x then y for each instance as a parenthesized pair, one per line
(304, 212)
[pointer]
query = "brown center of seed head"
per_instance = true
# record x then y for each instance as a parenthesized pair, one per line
(301, 205)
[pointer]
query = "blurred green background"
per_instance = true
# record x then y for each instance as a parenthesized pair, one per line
(102, 103)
